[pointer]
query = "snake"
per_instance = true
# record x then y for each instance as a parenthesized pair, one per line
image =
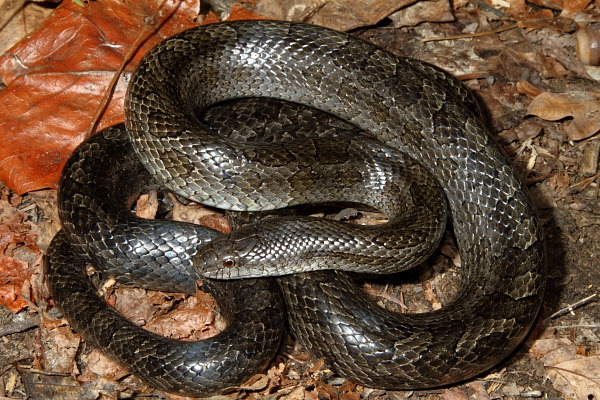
(417, 133)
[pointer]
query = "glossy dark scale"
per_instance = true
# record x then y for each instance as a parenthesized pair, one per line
(419, 119)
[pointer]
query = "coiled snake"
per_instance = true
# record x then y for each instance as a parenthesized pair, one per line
(410, 109)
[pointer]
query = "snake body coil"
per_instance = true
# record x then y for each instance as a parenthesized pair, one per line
(408, 108)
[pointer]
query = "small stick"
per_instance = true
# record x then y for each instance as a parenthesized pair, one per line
(470, 35)
(573, 306)
(592, 326)
(585, 181)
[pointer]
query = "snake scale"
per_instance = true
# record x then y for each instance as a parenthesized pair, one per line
(422, 131)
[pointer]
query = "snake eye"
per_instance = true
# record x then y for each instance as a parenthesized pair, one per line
(229, 263)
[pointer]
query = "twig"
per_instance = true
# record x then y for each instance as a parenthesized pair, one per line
(591, 326)
(470, 35)
(573, 306)
(585, 181)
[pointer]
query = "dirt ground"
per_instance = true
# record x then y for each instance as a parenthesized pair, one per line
(561, 172)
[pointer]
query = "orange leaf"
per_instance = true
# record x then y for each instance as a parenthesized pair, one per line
(584, 108)
(57, 77)
(13, 276)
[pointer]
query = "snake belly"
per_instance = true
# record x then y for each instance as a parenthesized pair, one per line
(405, 104)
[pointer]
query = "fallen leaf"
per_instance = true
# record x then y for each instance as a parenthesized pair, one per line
(60, 349)
(15, 237)
(454, 394)
(479, 391)
(552, 4)
(548, 67)
(191, 320)
(97, 365)
(237, 12)
(574, 375)
(342, 15)
(521, 11)
(571, 7)
(423, 11)
(528, 89)
(200, 215)
(584, 108)
(57, 386)
(56, 78)
(147, 205)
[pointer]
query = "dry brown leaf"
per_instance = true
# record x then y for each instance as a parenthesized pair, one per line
(584, 108)
(454, 394)
(552, 4)
(99, 368)
(295, 394)
(52, 386)
(574, 375)
(520, 10)
(571, 7)
(528, 89)
(236, 13)
(200, 215)
(20, 20)
(257, 382)
(423, 11)
(480, 393)
(548, 67)
(342, 15)
(168, 314)
(192, 320)
(147, 205)
(60, 349)
(15, 236)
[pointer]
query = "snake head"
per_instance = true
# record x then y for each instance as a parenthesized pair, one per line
(232, 256)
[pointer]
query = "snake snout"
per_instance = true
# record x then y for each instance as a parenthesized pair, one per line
(226, 256)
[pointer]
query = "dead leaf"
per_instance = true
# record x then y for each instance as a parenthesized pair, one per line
(57, 76)
(342, 15)
(16, 240)
(20, 20)
(147, 205)
(574, 375)
(236, 13)
(584, 108)
(552, 4)
(454, 394)
(521, 11)
(479, 391)
(527, 130)
(571, 7)
(191, 320)
(528, 89)
(200, 215)
(256, 383)
(423, 11)
(60, 349)
(58, 386)
(548, 67)
(99, 370)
